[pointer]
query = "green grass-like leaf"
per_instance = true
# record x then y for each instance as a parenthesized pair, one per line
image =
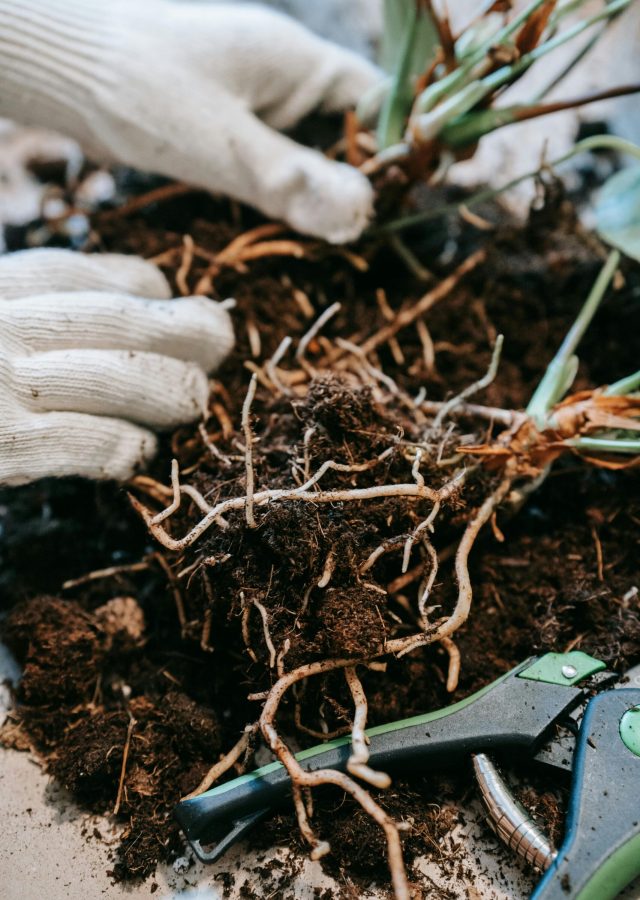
(563, 367)
(409, 42)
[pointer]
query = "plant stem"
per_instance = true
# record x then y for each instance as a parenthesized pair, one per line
(597, 142)
(606, 445)
(459, 77)
(469, 128)
(624, 386)
(398, 101)
(508, 73)
(554, 382)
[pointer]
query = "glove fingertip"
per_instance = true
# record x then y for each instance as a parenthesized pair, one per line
(334, 202)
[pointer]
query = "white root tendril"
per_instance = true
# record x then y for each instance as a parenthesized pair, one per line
(329, 568)
(425, 524)
(320, 322)
(261, 498)
(357, 764)
(454, 663)
(248, 440)
(264, 615)
(271, 366)
(427, 584)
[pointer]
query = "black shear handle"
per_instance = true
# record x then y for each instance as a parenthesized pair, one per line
(600, 854)
(513, 712)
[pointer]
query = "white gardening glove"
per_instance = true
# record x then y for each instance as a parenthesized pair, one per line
(194, 92)
(88, 364)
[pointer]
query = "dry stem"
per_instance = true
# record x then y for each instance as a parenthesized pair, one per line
(123, 770)
(223, 765)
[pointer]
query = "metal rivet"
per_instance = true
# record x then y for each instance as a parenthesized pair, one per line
(569, 671)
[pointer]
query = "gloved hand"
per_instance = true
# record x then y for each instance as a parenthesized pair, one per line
(194, 92)
(93, 354)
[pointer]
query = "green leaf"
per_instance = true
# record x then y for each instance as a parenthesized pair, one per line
(409, 43)
(562, 369)
(400, 17)
(618, 212)
(625, 386)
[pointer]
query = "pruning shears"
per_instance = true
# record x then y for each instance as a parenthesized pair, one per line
(564, 710)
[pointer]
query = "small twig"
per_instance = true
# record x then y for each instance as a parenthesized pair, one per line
(211, 447)
(599, 557)
(302, 299)
(233, 248)
(248, 440)
(308, 434)
(353, 495)
(409, 258)
(99, 574)
(385, 547)
(330, 464)
(415, 469)
(175, 503)
(318, 848)
(280, 657)
(123, 770)
(223, 765)
(208, 616)
(175, 589)
(465, 591)
(428, 349)
(255, 342)
(185, 265)
(313, 732)
(157, 195)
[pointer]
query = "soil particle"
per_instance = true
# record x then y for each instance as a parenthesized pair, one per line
(351, 623)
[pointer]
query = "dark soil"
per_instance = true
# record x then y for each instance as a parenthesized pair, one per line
(566, 575)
